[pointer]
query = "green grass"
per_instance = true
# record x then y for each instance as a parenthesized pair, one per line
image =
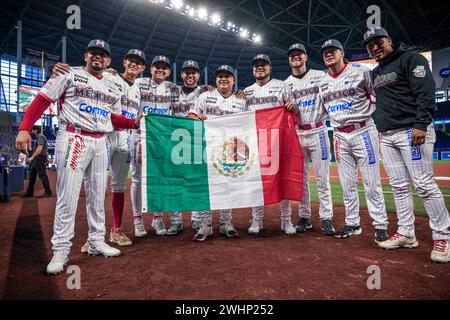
(336, 192)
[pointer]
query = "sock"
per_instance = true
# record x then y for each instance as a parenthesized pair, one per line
(118, 199)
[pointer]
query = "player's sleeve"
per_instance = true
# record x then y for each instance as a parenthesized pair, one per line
(423, 88)
(199, 107)
(55, 87)
(287, 93)
(50, 92)
(367, 75)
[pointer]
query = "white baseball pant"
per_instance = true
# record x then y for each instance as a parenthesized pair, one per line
(205, 216)
(359, 148)
(79, 158)
(316, 147)
(120, 160)
(404, 163)
(285, 208)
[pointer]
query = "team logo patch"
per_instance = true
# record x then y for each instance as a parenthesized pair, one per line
(369, 147)
(323, 145)
(415, 150)
(419, 71)
(233, 159)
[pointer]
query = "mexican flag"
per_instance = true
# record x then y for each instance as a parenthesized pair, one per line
(241, 160)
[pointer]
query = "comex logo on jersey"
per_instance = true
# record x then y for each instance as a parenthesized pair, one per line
(84, 107)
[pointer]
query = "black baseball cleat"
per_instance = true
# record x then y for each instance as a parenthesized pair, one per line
(328, 228)
(45, 195)
(27, 195)
(381, 235)
(303, 225)
(348, 231)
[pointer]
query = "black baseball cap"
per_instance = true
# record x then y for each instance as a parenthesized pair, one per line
(225, 68)
(161, 59)
(190, 64)
(331, 43)
(136, 53)
(296, 46)
(100, 44)
(262, 57)
(373, 33)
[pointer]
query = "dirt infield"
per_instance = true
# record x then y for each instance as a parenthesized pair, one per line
(270, 266)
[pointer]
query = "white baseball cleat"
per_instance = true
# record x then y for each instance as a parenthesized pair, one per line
(159, 226)
(102, 248)
(440, 251)
(139, 228)
(288, 228)
(256, 227)
(203, 233)
(57, 263)
(399, 241)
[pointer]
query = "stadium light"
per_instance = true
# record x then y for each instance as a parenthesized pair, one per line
(202, 13)
(177, 4)
(243, 33)
(215, 19)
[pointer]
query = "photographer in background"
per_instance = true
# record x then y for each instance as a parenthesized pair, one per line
(38, 164)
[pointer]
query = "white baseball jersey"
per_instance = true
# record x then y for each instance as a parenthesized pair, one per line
(130, 95)
(305, 92)
(347, 97)
(86, 102)
(213, 104)
(156, 98)
(273, 94)
(186, 102)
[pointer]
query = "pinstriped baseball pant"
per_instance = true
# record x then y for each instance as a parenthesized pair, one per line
(316, 147)
(136, 181)
(79, 159)
(403, 164)
(205, 216)
(359, 148)
(120, 160)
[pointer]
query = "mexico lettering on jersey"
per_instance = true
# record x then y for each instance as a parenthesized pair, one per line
(273, 94)
(86, 102)
(213, 104)
(347, 97)
(305, 92)
(185, 102)
(130, 95)
(156, 98)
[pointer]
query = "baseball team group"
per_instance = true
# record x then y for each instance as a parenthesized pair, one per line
(382, 114)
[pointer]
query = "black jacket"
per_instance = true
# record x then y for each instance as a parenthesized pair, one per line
(405, 91)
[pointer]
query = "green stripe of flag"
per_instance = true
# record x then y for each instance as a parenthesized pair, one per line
(177, 176)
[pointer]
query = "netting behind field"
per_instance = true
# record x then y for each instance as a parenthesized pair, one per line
(7, 136)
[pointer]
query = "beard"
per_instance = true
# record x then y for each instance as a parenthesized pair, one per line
(262, 77)
(97, 67)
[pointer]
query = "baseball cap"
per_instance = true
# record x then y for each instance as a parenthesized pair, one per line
(161, 59)
(99, 43)
(374, 33)
(225, 68)
(332, 43)
(137, 53)
(296, 46)
(262, 57)
(190, 64)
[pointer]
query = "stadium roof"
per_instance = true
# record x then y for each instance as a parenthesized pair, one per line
(157, 29)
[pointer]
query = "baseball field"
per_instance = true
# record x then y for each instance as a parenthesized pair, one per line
(269, 266)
